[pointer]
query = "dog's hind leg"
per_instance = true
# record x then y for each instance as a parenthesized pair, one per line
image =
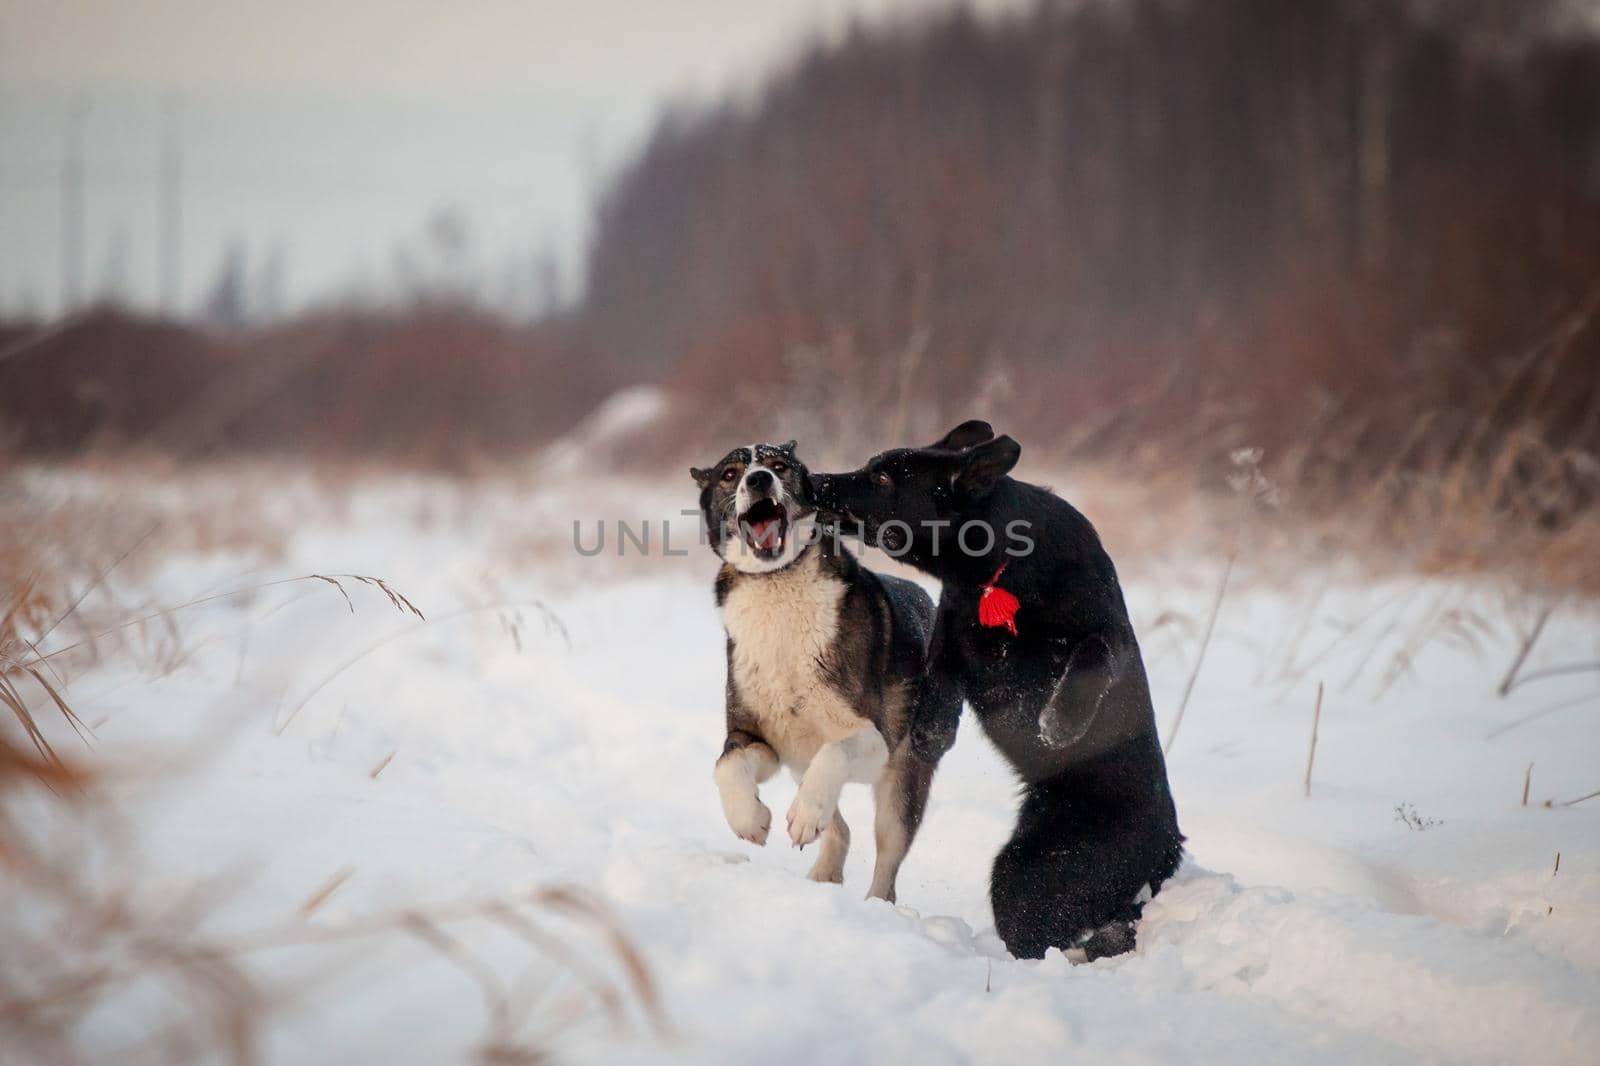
(901, 795)
(1058, 883)
(1090, 670)
(1113, 938)
(834, 845)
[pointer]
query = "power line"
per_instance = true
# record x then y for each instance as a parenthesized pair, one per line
(72, 206)
(170, 207)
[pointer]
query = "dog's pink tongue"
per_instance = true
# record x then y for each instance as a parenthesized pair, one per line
(765, 533)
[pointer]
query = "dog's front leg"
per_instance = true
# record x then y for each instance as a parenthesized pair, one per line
(746, 762)
(858, 756)
(1092, 667)
(935, 713)
(901, 794)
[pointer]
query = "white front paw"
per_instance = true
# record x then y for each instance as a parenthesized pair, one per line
(747, 816)
(809, 815)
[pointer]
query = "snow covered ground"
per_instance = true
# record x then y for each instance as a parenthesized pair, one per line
(289, 768)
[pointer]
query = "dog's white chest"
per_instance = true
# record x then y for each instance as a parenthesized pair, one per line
(783, 626)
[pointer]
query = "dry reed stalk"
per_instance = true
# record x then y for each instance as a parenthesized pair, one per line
(1287, 648)
(1316, 721)
(1399, 600)
(1401, 662)
(96, 583)
(552, 620)
(495, 997)
(164, 615)
(1527, 783)
(1200, 658)
(1540, 713)
(565, 899)
(587, 907)
(12, 698)
(325, 890)
(1556, 671)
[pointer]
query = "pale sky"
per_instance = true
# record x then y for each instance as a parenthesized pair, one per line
(325, 134)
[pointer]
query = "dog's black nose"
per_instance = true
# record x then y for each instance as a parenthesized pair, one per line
(759, 480)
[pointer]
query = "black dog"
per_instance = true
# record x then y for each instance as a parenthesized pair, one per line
(1058, 683)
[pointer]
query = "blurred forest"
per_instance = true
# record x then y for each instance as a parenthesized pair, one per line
(1363, 237)
(443, 385)
(1197, 225)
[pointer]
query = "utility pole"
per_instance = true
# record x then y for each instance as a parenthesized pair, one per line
(72, 209)
(170, 207)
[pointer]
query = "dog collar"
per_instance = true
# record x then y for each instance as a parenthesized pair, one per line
(996, 606)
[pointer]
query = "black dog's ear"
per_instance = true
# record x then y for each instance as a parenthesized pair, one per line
(788, 448)
(965, 436)
(701, 477)
(983, 465)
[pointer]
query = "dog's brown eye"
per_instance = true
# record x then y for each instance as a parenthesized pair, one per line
(881, 477)
(729, 474)
(779, 467)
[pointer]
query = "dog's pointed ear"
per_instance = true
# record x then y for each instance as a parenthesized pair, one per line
(788, 447)
(983, 465)
(701, 477)
(964, 436)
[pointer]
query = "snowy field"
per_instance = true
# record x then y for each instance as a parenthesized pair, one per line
(290, 770)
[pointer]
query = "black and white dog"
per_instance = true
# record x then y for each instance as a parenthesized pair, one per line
(1039, 643)
(823, 661)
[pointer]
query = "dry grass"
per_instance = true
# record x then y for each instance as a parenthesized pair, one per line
(1444, 522)
(81, 939)
(1311, 753)
(553, 624)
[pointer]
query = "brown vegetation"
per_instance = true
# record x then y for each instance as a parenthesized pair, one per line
(434, 384)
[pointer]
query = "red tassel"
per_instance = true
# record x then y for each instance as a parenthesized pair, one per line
(997, 607)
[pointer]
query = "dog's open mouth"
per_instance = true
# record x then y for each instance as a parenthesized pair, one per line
(764, 527)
